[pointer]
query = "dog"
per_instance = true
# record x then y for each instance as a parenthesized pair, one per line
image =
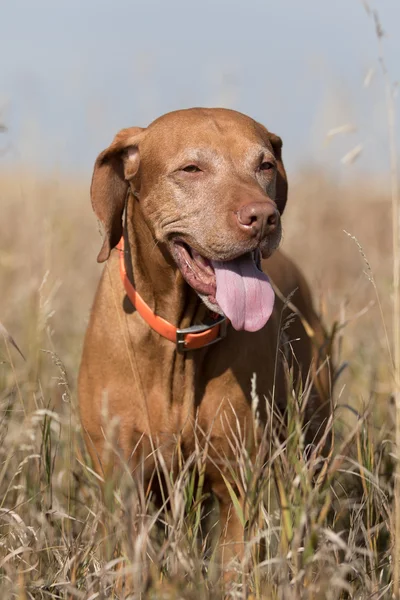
(190, 303)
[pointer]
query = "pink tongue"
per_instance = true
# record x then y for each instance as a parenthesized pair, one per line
(244, 293)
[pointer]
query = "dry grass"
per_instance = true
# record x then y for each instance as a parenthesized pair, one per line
(333, 537)
(315, 527)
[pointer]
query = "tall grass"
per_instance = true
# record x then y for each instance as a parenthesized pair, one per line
(315, 527)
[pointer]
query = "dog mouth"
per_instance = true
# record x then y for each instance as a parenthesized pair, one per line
(196, 270)
(236, 288)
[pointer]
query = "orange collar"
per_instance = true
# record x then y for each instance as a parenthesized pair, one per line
(191, 338)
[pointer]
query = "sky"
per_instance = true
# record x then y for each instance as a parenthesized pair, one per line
(72, 73)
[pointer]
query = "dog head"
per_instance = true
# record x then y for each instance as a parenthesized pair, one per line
(212, 188)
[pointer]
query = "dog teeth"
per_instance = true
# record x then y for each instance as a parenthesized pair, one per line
(200, 259)
(189, 265)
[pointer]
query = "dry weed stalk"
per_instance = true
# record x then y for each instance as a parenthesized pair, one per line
(395, 202)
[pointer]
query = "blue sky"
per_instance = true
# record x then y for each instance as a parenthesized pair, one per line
(73, 73)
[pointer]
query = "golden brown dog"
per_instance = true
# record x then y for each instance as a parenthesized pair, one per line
(203, 192)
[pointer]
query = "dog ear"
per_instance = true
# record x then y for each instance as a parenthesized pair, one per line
(281, 179)
(113, 169)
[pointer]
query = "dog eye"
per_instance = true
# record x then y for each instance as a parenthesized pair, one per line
(266, 166)
(191, 169)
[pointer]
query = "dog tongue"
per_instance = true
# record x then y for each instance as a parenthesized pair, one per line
(244, 293)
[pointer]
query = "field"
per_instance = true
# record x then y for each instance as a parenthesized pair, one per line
(333, 539)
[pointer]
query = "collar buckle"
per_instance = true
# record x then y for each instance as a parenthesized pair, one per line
(181, 344)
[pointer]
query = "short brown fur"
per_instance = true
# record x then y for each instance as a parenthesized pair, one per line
(157, 393)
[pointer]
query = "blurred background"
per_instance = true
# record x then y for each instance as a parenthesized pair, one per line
(73, 73)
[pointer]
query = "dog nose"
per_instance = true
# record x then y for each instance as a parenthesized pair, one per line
(258, 218)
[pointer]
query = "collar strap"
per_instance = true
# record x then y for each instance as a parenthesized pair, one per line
(190, 338)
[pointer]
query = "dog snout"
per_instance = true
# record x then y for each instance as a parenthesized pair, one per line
(258, 219)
